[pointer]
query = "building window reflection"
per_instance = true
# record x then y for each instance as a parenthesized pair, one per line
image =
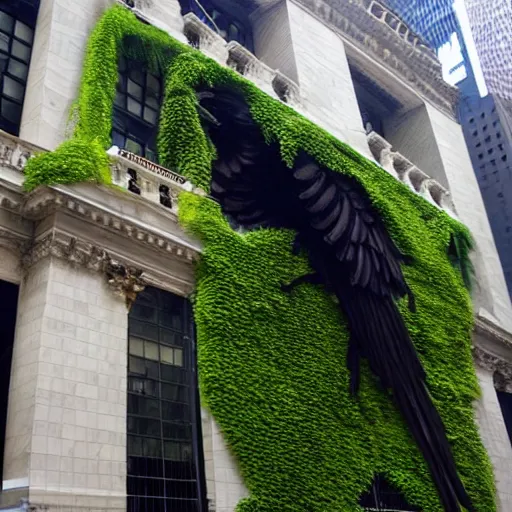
(17, 23)
(165, 462)
(137, 109)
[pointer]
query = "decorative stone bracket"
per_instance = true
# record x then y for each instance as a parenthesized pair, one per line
(239, 58)
(499, 341)
(405, 171)
(125, 281)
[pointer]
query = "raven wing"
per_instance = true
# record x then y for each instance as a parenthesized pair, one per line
(352, 254)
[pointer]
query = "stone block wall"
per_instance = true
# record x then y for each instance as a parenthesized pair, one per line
(66, 428)
(326, 87)
(471, 210)
(495, 437)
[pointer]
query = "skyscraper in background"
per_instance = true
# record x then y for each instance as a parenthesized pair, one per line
(473, 42)
(490, 27)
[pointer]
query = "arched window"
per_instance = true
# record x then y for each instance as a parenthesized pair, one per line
(228, 17)
(137, 109)
(165, 458)
(17, 24)
(383, 496)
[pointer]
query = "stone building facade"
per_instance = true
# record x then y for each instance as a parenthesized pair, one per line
(74, 257)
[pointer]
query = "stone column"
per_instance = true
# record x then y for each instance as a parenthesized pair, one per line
(62, 30)
(326, 87)
(164, 14)
(493, 432)
(224, 484)
(66, 425)
(463, 186)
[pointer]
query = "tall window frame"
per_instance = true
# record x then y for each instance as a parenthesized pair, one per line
(17, 29)
(137, 108)
(164, 448)
(229, 17)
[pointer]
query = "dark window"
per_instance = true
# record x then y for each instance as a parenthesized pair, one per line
(137, 109)
(165, 461)
(8, 310)
(227, 17)
(17, 23)
(383, 496)
(375, 103)
(505, 400)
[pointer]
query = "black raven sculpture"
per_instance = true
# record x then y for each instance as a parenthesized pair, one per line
(351, 254)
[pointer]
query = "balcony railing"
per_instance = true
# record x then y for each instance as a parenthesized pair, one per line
(14, 153)
(404, 170)
(162, 186)
(129, 171)
(239, 58)
(149, 180)
(382, 13)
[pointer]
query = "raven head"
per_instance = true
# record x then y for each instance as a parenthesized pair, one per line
(223, 109)
(206, 116)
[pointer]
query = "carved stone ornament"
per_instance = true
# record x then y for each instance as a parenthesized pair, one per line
(15, 153)
(68, 248)
(125, 281)
(501, 369)
(365, 23)
(12, 241)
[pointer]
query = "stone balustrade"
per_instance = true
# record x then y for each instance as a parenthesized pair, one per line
(149, 180)
(14, 153)
(129, 171)
(239, 58)
(405, 171)
(383, 14)
(162, 186)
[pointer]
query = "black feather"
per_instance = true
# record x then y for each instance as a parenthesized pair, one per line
(351, 253)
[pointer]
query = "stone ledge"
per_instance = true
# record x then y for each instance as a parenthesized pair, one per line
(46, 201)
(239, 58)
(412, 61)
(405, 171)
(492, 350)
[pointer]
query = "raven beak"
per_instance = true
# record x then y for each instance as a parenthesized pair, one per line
(203, 113)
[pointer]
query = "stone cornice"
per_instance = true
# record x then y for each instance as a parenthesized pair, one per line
(413, 62)
(489, 329)
(124, 280)
(45, 201)
(124, 276)
(494, 352)
(13, 241)
(501, 369)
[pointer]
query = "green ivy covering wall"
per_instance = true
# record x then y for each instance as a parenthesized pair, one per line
(271, 365)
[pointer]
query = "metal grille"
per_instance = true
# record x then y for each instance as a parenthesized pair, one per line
(17, 23)
(385, 498)
(165, 462)
(137, 109)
